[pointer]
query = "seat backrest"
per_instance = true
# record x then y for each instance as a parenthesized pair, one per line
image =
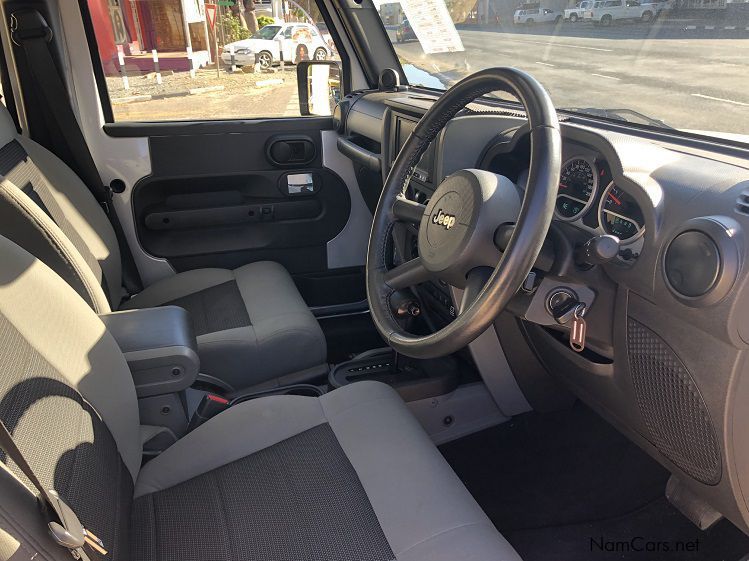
(46, 209)
(68, 399)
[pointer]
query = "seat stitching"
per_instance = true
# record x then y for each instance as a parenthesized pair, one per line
(447, 530)
(117, 512)
(59, 246)
(222, 510)
(154, 526)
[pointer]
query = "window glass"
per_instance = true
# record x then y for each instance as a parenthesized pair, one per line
(172, 60)
(673, 64)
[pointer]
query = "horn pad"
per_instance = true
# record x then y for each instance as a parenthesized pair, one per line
(457, 230)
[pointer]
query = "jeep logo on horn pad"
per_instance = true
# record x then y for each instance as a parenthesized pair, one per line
(445, 220)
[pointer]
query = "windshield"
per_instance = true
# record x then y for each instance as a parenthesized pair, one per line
(267, 32)
(677, 64)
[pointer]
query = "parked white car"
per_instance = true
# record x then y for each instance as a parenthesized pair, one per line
(658, 6)
(290, 42)
(605, 12)
(573, 15)
(536, 15)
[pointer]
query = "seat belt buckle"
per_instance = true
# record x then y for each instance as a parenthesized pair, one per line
(210, 406)
(68, 532)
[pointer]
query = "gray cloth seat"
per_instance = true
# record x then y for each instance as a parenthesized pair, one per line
(348, 476)
(251, 323)
(246, 320)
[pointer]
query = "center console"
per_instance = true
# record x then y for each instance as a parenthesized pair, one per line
(160, 348)
(412, 379)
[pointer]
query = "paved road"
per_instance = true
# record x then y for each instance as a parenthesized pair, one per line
(691, 79)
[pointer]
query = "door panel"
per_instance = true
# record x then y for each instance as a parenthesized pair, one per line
(220, 200)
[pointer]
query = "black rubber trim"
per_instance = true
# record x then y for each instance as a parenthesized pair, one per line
(181, 128)
(93, 49)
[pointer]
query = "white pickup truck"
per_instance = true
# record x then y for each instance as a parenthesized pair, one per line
(605, 12)
(573, 15)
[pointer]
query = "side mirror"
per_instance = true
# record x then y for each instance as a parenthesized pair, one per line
(319, 83)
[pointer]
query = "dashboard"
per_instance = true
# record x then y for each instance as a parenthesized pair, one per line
(668, 315)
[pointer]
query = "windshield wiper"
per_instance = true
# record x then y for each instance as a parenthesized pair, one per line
(628, 115)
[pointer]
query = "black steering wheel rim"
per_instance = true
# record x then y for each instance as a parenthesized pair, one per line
(530, 230)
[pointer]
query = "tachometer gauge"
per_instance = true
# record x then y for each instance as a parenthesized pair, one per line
(620, 214)
(577, 188)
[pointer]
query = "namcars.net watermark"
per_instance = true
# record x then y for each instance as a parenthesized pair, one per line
(642, 544)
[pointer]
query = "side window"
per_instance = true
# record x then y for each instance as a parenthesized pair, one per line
(171, 60)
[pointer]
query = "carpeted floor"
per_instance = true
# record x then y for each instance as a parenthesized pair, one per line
(567, 486)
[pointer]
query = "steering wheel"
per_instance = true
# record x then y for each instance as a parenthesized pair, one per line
(457, 228)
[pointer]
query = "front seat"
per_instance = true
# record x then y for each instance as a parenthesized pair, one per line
(348, 476)
(245, 319)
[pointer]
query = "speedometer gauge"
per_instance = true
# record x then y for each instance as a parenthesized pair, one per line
(620, 214)
(577, 188)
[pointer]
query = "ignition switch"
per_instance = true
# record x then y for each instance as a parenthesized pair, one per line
(561, 304)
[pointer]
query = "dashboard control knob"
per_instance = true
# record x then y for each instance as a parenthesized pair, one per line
(597, 251)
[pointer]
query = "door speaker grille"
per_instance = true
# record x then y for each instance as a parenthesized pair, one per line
(671, 405)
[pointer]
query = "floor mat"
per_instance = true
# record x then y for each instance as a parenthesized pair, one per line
(568, 486)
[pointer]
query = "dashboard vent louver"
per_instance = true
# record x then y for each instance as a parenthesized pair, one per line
(742, 203)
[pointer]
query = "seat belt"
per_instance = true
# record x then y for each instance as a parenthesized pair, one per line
(30, 30)
(65, 528)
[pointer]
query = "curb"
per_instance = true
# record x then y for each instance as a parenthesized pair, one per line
(716, 27)
(269, 82)
(149, 97)
(681, 24)
(205, 89)
(130, 99)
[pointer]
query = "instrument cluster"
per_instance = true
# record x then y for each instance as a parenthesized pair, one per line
(588, 196)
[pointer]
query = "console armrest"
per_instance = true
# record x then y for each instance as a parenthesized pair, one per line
(159, 346)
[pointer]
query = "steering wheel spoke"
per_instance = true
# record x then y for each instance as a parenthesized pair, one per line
(407, 274)
(475, 282)
(405, 210)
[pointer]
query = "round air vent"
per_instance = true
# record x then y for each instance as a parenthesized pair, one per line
(692, 263)
(702, 260)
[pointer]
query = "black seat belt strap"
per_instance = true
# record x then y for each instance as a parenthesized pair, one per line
(31, 32)
(65, 528)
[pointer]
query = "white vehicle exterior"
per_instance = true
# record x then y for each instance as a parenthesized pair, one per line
(536, 15)
(290, 42)
(575, 14)
(658, 6)
(605, 12)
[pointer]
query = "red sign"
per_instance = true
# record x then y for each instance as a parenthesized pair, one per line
(210, 13)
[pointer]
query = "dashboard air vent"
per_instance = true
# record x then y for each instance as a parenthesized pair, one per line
(742, 203)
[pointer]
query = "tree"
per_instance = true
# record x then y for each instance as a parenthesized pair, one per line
(250, 16)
